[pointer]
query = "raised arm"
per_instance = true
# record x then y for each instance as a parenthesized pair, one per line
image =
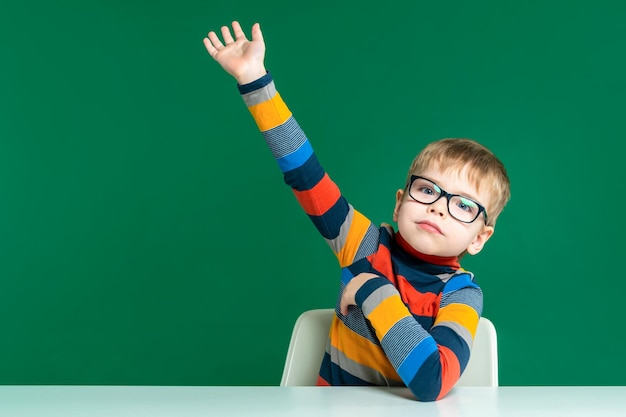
(318, 195)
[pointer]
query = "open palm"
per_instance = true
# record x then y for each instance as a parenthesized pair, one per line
(240, 57)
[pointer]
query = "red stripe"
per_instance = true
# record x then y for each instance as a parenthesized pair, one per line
(381, 261)
(319, 199)
(422, 304)
(321, 382)
(450, 370)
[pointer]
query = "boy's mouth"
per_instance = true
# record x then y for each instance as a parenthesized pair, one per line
(429, 227)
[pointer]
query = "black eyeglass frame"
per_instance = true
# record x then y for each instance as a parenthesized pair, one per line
(444, 193)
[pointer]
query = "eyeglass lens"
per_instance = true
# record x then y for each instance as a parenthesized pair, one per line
(459, 207)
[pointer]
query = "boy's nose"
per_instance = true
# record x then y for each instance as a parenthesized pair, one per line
(439, 207)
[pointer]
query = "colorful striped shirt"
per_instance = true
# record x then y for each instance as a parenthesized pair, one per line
(414, 324)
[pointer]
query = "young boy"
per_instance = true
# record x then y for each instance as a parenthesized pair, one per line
(407, 312)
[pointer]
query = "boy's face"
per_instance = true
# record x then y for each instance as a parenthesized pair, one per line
(430, 229)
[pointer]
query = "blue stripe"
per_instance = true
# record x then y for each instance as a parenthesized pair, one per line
(459, 281)
(416, 358)
(297, 158)
(346, 275)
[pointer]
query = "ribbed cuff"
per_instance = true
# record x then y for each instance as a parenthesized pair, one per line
(256, 84)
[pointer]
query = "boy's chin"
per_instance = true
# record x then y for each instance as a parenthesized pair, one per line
(420, 246)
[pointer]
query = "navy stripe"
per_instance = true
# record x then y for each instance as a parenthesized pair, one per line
(306, 176)
(332, 373)
(419, 280)
(361, 265)
(329, 224)
(425, 321)
(256, 84)
(368, 288)
(426, 384)
(445, 336)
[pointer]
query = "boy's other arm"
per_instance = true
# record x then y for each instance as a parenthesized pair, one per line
(429, 361)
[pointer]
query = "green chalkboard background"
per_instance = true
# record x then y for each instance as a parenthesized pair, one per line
(146, 236)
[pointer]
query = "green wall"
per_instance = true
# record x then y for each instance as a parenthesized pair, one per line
(145, 233)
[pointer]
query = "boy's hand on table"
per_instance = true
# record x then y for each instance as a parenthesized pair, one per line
(349, 293)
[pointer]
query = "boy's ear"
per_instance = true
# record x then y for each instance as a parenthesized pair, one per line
(479, 242)
(399, 197)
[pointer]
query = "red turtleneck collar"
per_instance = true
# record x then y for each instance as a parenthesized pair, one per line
(451, 261)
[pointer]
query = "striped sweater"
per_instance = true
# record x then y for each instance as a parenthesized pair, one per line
(414, 324)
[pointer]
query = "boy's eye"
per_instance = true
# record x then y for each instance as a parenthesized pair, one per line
(466, 205)
(426, 187)
(426, 190)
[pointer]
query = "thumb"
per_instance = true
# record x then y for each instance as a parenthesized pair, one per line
(257, 35)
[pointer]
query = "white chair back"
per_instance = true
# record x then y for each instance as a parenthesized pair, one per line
(482, 368)
(307, 347)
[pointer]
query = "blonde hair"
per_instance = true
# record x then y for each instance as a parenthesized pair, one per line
(481, 166)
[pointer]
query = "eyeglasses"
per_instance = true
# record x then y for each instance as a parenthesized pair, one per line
(462, 208)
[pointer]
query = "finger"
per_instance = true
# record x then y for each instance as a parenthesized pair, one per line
(344, 304)
(215, 41)
(228, 38)
(257, 35)
(209, 47)
(238, 31)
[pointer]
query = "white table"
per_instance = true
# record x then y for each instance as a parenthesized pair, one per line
(155, 401)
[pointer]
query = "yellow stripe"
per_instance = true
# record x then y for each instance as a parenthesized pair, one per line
(357, 231)
(386, 314)
(270, 113)
(358, 349)
(459, 313)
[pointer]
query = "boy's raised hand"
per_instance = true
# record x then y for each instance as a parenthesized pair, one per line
(241, 58)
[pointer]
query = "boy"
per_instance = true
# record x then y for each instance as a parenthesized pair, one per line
(407, 312)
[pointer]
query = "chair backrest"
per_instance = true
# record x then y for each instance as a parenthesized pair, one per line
(306, 348)
(308, 343)
(482, 368)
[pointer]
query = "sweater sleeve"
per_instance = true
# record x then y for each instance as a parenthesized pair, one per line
(429, 361)
(344, 228)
